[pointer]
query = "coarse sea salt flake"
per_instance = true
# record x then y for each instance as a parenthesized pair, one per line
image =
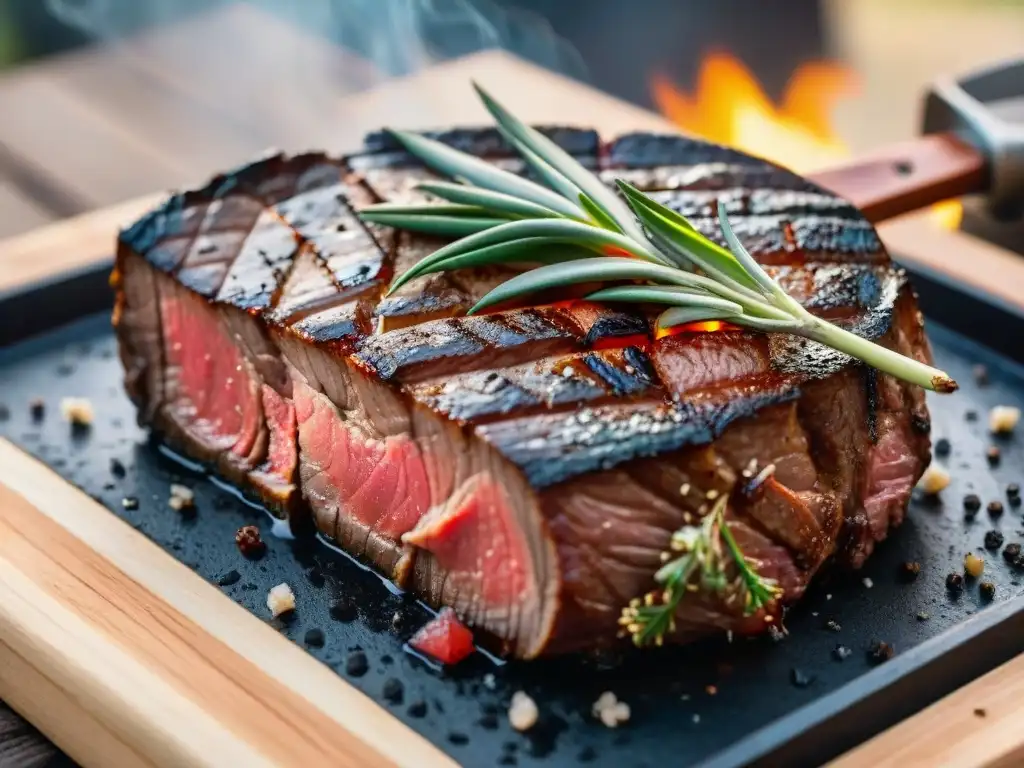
(934, 480)
(1003, 418)
(280, 600)
(183, 492)
(609, 710)
(522, 712)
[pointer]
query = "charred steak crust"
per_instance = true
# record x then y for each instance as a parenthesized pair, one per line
(525, 467)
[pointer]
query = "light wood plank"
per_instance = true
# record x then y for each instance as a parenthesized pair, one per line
(255, 70)
(167, 666)
(979, 725)
(67, 245)
(18, 214)
(168, 107)
(99, 161)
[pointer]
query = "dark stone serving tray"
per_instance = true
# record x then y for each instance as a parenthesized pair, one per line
(786, 702)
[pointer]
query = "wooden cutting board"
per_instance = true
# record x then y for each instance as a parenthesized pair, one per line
(123, 656)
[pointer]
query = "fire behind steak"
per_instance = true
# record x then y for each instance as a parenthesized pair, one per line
(525, 467)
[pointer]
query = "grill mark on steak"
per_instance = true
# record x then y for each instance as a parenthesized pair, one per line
(425, 298)
(540, 387)
(830, 238)
(464, 344)
(741, 202)
(797, 355)
(763, 199)
(634, 151)
(261, 266)
(420, 401)
(552, 448)
(722, 177)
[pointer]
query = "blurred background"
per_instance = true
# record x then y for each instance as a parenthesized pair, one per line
(104, 100)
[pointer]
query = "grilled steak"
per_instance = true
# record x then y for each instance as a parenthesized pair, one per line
(526, 467)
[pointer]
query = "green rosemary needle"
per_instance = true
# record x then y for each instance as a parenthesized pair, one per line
(699, 565)
(500, 217)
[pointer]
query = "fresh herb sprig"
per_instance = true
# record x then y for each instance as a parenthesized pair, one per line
(581, 231)
(700, 565)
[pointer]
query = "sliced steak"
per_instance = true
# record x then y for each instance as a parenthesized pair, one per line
(529, 466)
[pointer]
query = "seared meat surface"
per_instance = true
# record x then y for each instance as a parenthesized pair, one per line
(526, 467)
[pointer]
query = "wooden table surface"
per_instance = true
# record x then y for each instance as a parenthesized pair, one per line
(948, 733)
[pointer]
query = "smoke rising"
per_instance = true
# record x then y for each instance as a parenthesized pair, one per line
(274, 70)
(397, 36)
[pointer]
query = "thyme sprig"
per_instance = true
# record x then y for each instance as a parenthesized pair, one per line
(701, 564)
(581, 231)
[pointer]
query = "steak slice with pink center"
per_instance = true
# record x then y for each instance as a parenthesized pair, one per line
(213, 394)
(365, 492)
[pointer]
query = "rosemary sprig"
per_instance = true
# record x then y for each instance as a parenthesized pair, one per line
(633, 239)
(700, 565)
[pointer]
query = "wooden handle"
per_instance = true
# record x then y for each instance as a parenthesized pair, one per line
(909, 176)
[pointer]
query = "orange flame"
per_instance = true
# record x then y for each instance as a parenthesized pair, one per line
(729, 106)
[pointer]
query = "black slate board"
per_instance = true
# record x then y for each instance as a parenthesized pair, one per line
(787, 701)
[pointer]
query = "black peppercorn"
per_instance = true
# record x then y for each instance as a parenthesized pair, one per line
(972, 503)
(417, 709)
(315, 638)
(117, 469)
(971, 415)
(229, 578)
(955, 583)
(942, 447)
(993, 540)
(995, 508)
(988, 590)
(344, 609)
(38, 409)
(1011, 552)
(5, 412)
(1013, 494)
(356, 665)
(393, 690)
(315, 576)
(910, 570)
(992, 454)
